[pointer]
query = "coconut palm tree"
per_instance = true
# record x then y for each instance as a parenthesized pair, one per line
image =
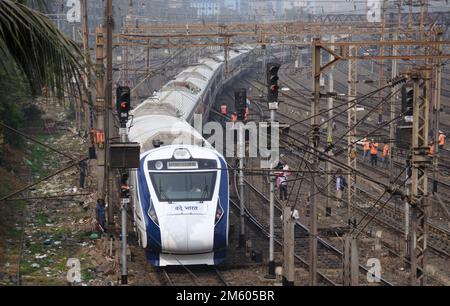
(34, 47)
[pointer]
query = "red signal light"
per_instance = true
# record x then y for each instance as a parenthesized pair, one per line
(274, 88)
(123, 105)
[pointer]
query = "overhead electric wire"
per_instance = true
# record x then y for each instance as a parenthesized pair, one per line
(382, 206)
(386, 99)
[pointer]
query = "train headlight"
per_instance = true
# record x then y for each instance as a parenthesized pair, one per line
(219, 212)
(152, 215)
(158, 165)
(181, 154)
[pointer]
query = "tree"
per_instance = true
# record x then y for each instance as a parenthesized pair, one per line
(33, 54)
(43, 54)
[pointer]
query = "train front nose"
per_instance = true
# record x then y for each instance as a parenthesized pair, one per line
(187, 234)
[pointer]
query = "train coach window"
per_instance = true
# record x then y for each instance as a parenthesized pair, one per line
(183, 186)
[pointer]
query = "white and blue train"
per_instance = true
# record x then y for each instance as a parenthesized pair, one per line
(180, 199)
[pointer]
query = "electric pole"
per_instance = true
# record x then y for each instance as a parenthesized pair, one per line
(87, 55)
(394, 97)
(351, 122)
(380, 82)
(108, 104)
(315, 140)
(437, 107)
(100, 111)
(351, 261)
(288, 246)
(329, 133)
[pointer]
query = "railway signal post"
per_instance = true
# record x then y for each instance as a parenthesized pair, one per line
(123, 105)
(125, 200)
(272, 99)
(123, 156)
(240, 97)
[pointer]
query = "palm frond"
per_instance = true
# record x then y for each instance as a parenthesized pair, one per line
(44, 54)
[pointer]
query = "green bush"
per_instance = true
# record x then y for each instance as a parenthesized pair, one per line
(11, 114)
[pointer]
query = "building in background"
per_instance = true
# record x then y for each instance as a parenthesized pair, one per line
(206, 8)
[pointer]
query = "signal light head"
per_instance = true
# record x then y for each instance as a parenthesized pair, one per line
(274, 69)
(274, 79)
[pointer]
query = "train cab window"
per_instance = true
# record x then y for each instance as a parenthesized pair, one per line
(184, 186)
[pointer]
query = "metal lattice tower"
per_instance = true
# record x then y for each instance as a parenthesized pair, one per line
(419, 178)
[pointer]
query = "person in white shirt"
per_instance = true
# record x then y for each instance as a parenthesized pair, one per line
(294, 214)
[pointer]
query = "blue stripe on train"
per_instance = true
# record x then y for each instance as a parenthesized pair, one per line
(221, 230)
(153, 231)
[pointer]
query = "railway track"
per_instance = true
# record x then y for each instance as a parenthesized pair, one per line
(329, 256)
(192, 276)
(300, 257)
(332, 261)
(343, 142)
(439, 240)
(444, 157)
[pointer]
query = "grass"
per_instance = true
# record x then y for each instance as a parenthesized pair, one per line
(41, 157)
(42, 163)
(38, 156)
(87, 275)
(41, 219)
(11, 216)
(57, 258)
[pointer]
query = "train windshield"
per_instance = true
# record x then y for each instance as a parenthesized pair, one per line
(183, 186)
